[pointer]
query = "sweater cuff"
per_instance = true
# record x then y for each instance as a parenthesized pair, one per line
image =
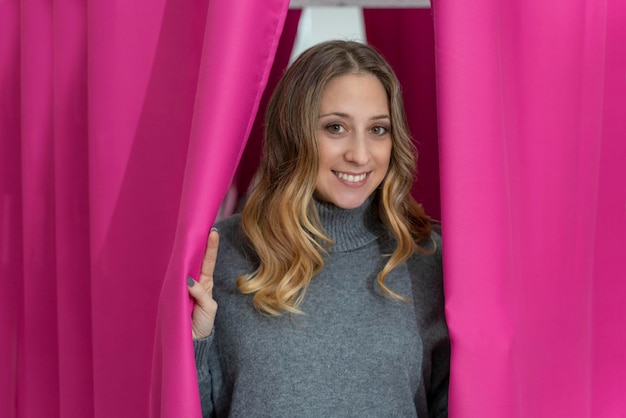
(201, 348)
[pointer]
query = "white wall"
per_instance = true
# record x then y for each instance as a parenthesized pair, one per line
(319, 24)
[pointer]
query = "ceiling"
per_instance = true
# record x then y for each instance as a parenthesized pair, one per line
(296, 4)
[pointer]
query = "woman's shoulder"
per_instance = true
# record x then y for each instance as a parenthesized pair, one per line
(431, 244)
(233, 242)
(435, 234)
(426, 264)
(230, 226)
(231, 234)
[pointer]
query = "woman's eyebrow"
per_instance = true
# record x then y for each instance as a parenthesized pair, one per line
(340, 114)
(345, 115)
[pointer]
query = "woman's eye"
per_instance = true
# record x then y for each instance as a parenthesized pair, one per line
(379, 130)
(335, 128)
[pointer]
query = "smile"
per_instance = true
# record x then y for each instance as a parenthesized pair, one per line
(350, 178)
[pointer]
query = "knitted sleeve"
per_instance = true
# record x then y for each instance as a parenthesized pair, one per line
(426, 271)
(202, 348)
(440, 344)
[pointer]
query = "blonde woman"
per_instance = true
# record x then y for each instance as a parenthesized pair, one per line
(329, 284)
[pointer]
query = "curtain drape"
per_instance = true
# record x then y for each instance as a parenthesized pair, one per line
(121, 124)
(217, 143)
(532, 98)
(251, 156)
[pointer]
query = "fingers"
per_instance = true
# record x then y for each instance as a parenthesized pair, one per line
(208, 263)
(205, 307)
(198, 292)
(204, 310)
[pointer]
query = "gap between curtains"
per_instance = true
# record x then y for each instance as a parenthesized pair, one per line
(406, 38)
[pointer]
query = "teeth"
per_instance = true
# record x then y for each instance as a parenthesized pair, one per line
(350, 177)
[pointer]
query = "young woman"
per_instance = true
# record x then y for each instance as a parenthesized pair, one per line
(329, 284)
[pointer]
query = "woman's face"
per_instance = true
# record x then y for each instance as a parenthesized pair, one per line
(354, 136)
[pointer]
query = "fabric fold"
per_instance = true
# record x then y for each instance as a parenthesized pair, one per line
(232, 79)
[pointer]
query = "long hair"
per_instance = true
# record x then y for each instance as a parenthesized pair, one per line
(280, 219)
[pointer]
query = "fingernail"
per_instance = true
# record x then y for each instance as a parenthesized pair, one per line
(190, 281)
(214, 229)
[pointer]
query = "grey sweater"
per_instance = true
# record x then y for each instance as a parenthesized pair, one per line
(355, 352)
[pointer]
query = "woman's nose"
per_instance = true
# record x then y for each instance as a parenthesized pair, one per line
(358, 152)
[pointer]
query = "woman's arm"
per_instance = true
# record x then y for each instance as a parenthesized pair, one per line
(440, 354)
(202, 349)
(202, 322)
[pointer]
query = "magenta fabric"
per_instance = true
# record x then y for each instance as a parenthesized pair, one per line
(121, 124)
(234, 75)
(532, 98)
(11, 225)
(252, 154)
(406, 38)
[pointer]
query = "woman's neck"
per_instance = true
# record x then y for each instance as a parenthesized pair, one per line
(350, 228)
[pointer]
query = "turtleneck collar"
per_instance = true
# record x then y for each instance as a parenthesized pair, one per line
(350, 228)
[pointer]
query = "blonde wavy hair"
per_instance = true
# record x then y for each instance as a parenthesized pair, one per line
(280, 219)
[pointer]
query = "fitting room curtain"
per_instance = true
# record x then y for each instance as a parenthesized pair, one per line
(121, 124)
(532, 103)
(113, 163)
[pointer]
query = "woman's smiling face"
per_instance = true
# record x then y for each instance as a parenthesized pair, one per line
(354, 137)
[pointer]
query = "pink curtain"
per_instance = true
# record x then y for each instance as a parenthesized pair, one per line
(121, 124)
(532, 98)
(252, 154)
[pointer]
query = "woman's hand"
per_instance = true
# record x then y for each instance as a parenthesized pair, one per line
(205, 307)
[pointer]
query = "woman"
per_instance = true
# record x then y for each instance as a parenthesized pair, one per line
(329, 283)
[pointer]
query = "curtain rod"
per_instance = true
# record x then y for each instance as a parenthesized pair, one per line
(382, 4)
